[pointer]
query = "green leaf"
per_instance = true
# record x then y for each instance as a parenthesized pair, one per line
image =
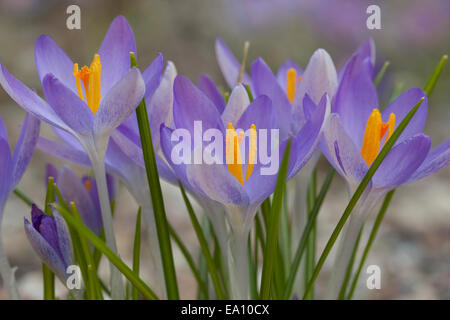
(348, 272)
(381, 73)
(431, 83)
(115, 260)
(306, 232)
(272, 232)
(311, 245)
(137, 252)
(373, 233)
(358, 193)
(159, 211)
(204, 246)
(47, 275)
(23, 197)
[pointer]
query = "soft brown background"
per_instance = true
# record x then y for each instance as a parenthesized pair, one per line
(413, 247)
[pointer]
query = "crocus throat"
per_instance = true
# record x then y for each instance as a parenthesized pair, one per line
(90, 76)
(233, 153)
(291, 83)
(374, 133)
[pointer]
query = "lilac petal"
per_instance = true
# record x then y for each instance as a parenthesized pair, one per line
(63, 151)
(50, 58)
(29, 100)
(68, 138)
(46, 226)
(437, 159)
(5, 173)
(191, 104)
(166, 147)
(228, 64)
(210, 90)
(68, 106)
(402, 161)
(365, 52)
(306, 141)
(217, 183)
(265, 83)
(320, 77)
(152, 76)
(73, 190)
(45, 252)
(402, 105)
(260, 113)
(161, 105)
(282, 72)
(64, 242)
(237, 103)
(115, 53)
(50, 171)
(341, 151)
(355, 99)
(120, 102)
(3, 132)
(25, 147)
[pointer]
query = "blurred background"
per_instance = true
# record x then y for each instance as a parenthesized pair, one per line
(413, 246)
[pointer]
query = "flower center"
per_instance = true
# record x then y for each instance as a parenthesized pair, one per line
(233, 152)
(90, 76)
(374, 133)
(291, 83)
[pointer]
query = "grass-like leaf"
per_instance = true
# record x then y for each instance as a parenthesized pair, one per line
(84, 231)
(137, 253)
(270, 253)
(48, 276)
(431, 83)
(159, 211)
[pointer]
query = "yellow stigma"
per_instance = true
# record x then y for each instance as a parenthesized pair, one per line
(88, 185)
(233, 152)
(90, 76)
(291, 83)
(374, 133)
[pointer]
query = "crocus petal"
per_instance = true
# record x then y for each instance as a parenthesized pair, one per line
(260, 113)
(120, 102)
(45, 251)
(5, 173)
(50, 58)
(152, 76)
(161, 105)
(68, 106)
(437, 159)
(25, 147)
(50, 171)
(64, 242)
(29, 100)
(210, 90)
(191, 104)
(320, 77)
(265, 83)
(217, 183)
(306, 141)
(115, 53)
(402, 105)
(355, 99)
(3, 132)
(237, 103)
(402, 161)
(73, 190)
(341, 152)
(63, 151)
(282, 72)
(228, 64)
(365, 52)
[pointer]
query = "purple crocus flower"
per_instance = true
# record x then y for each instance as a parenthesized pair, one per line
(88, 102)
(49, 237)
(355, 133)
(83, 192)
(12, 168)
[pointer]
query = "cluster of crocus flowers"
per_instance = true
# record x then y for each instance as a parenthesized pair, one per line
(232, 143)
